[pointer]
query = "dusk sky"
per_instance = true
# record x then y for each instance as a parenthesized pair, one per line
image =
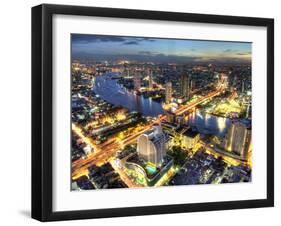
(104, 47)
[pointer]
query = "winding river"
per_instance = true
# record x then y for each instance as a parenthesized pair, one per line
(114, 93)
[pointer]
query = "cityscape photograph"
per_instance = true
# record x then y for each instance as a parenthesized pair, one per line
(151, 112)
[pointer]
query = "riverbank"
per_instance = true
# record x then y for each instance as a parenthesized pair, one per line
(113, 92)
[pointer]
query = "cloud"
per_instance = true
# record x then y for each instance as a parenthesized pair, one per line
(136, 41)
(82, 48)
(131, 43)
(145, 52)
(163, 55)
(237, 53)
(86, 39)
(148, 53)
(243, 54)
(147, 56)
(147, 39)
(227, 50)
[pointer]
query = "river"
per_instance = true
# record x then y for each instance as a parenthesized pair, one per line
(209, 124)
(111, 91)
(114, 93)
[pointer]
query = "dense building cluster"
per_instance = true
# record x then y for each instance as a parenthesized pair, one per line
(138, 124)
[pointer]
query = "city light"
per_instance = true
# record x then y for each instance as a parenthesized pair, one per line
(159, 120)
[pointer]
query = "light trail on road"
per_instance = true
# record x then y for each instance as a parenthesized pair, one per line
(103, 152)
(186, 108)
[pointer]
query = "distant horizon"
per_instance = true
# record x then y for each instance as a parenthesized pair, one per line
(158, 50)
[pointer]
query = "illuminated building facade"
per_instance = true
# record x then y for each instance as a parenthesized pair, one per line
(185, 85)
(190, 138)
(192, 85)
(238, 139)
(137, 81)
(150, 81)
(168, 92)
(243, 86)
(249, 111)
(170, 116)
(128, 72)
(151, 146)
(224, 81)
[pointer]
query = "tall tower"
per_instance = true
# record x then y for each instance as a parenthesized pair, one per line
(128, 72)
(249, 110)
(168, 92)
(191, 85)
(137, 81)
(185, 85)
(243, 86)
(224, 81)
(150, 81)
(238, 139)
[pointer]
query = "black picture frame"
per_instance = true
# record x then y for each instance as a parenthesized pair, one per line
(42, 111)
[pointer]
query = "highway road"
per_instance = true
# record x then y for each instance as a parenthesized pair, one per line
(103, 152)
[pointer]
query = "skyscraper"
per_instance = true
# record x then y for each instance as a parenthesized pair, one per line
(151, 146)
(150, 81)
(192, 85)
(185, 85)
(168, 92)
(238, 139)
(243, 86)
(137, 81)
(170, 116)
(224, 81)
(249, 110)
(128, 72)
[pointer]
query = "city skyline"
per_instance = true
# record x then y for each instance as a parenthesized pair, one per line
(161, 50)
(150, 112)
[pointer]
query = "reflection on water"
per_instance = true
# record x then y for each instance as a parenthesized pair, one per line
(221, 124)
(209, 124)
(114, 93)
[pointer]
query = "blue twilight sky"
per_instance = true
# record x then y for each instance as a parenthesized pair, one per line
(156, 49)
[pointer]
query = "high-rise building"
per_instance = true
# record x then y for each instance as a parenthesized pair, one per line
(168, 92)
(150, 81)
(185, 85)
(189, 138)
(170, 116)
(238, 139)
(128, 72)
(249, 110)
(152, 146)
(224, 81)
(192, 85)
(137, 81)
(211, 69)
(243, 86)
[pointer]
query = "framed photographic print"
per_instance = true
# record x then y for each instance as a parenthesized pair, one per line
(146, 112)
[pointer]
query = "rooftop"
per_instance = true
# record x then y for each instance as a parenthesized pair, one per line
(190, 133)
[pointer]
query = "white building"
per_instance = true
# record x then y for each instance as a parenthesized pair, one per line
(152, 146)
(87, 149)
(238, 139)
